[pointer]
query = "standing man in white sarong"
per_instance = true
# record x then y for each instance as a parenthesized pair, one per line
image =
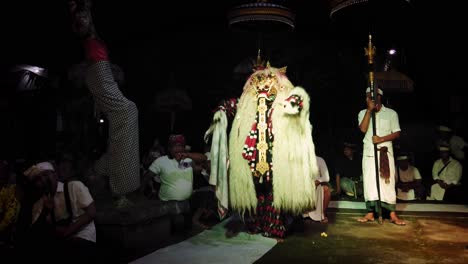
(388, 129)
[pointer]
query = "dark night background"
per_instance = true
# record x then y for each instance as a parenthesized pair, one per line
(191, 41)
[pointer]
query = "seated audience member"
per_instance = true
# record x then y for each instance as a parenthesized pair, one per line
(63, 217)
(322, 193)
(173, 175)
(447, 173)
(348, 170)
(9, 205)
(409, 182)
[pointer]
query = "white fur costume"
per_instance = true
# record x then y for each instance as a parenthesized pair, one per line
(293, 161)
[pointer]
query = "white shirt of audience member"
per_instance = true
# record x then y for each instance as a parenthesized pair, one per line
(450, 174)
(324, 176)
(176, 178)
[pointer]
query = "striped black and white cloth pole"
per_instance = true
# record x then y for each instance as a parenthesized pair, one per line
(121, 161)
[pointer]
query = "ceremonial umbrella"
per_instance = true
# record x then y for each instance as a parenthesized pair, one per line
(172, 100)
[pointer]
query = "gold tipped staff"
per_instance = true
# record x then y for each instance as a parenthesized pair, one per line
(370, 53)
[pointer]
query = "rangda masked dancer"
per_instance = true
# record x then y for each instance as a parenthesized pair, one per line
(268, 167)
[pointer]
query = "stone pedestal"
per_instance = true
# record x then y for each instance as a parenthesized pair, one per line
(125, 234)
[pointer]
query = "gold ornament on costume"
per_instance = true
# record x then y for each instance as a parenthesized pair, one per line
(262, 165)
(264, 86)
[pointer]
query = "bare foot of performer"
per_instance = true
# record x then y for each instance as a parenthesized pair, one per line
(369, 217)
(395, 220)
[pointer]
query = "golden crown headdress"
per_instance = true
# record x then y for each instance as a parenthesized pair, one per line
(261, 64)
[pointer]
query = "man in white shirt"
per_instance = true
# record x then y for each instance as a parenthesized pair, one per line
(173, 174)
(387, 130)
(69, 209)
(446, 172)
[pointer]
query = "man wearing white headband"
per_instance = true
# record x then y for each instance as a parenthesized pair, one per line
(446, 172)
(387, 130)
(68, 209)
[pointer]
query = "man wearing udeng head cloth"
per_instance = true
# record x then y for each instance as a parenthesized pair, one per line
(387, 130)
(174, 172)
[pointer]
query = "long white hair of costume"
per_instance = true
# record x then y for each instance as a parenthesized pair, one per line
(294, 160)
(293, 152)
